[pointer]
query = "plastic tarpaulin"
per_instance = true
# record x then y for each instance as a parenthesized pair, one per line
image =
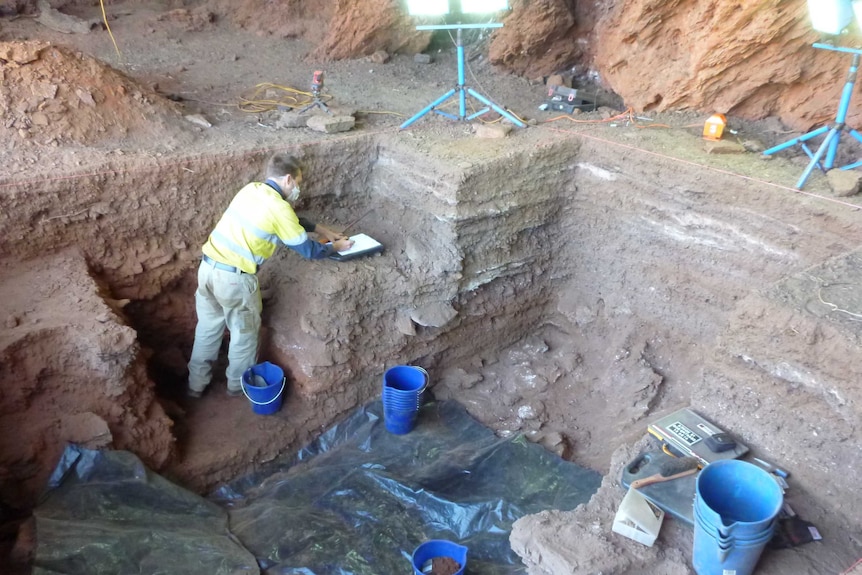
(357, 501)
(107, 513)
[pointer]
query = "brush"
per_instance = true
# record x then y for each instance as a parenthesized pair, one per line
(670, 469)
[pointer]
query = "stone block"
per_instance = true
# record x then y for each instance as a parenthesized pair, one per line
(435, 314)
(422, 58)
(844, 183)
(380, 57)
(331, 124)
(493, 130)
(198, 120)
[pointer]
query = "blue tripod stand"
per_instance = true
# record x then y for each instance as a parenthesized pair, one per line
(829, 146)
(461, 89)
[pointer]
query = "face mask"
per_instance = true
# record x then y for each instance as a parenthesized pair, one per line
(293, 194)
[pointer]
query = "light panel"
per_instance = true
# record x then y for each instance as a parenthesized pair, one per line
(427, 7)
(830, 16)
(483, 6)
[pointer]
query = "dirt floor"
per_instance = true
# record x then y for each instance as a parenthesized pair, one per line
(573, 281)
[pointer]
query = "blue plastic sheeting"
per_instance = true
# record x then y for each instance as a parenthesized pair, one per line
(357, 501)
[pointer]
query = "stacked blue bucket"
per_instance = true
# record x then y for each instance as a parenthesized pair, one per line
(402, 395)
(735, 507)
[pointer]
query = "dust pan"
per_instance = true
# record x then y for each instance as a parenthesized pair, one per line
(638, 519)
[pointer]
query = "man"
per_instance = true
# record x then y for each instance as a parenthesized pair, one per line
(228, 292)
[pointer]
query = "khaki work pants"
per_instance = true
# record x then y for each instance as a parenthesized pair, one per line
(225, 299)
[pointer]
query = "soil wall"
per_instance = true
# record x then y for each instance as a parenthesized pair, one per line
(662, 295)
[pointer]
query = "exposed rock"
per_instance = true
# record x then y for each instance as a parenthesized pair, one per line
(331, 124)
(380, 57)
(287, 19)
(738, 59)
(92, 103)
(844, 183)
(362, 28)
(20, 53)
(198, 120)
(56, 20)
(537, 37)
(458, 378)
(553, 441)
(404, 324)
(436, 314)
(499, 130)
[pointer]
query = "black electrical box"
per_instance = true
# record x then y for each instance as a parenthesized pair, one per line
(563, 99)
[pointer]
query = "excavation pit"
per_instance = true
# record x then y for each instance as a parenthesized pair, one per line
(547, 288)
(571, 282)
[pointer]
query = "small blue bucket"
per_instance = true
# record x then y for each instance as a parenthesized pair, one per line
(438, 548)
(735, 507)
(265, 400)
(402, 392)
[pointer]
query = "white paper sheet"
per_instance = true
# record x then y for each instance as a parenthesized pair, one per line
(361, 243)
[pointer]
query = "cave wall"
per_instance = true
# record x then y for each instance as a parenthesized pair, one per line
(746, 59)
(749, 59)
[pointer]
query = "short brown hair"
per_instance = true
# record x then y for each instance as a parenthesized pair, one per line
(281, 164)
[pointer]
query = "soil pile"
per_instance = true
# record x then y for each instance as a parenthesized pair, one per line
(53, 95)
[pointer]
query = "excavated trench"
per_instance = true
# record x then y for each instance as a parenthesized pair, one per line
(552, 285)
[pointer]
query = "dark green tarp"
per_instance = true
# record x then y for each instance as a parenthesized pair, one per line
(357, 501)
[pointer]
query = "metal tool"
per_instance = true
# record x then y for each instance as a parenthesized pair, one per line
(671, 469)
(316, 89)
(771, 468)
(685, 432)
(356, 221)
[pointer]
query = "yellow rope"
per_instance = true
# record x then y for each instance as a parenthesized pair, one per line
(111, 34)
(254, 104)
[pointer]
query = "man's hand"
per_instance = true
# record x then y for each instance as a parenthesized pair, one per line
(342, 244)
(330, 235)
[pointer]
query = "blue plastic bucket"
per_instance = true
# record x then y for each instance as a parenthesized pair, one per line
(402, 391)
(399, 422)
(264, 400)
(735, 507)
(724, 537)
(404, 384)
(712, 556)
(438, 548)
(737, 497)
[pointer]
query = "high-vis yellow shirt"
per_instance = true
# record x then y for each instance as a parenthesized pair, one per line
(253, 224)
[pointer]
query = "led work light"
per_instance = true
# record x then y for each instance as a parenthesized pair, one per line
(427, 7)
(830, 17)
(443, 7)
(460, 91)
